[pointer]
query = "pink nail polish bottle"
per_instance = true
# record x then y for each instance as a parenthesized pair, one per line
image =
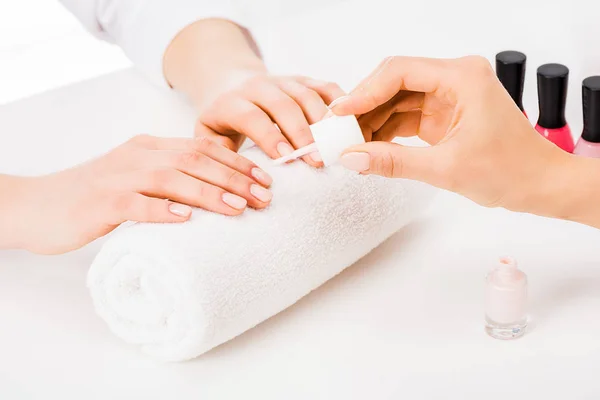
(510, 70)
(552, 82)
(506, 301)
(588, 144)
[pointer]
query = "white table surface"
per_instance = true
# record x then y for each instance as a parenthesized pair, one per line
(404, 322)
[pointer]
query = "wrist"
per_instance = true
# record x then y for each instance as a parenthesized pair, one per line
(569, 190)
(204, 54)
(14, 207)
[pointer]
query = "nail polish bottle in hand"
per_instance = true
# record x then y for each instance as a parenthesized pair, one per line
(589, 142)
(510, 69)
(552, 82)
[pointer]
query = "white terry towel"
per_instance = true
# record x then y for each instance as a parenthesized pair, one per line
(179, 290)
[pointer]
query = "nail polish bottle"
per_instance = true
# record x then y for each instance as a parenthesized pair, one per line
(332, 136)
(552, 82)
(506, 301)
(588, 144)
(510, 69)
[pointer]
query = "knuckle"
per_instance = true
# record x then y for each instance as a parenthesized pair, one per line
(187, 159)
(158, 179)
(234, 179)
(392, 166)
(203, 144)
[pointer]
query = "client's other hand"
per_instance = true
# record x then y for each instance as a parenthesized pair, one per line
(147, 179)
(253, 103)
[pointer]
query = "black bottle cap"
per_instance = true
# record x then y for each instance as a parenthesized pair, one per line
(510, 69)
(552, 82)
(590, 94)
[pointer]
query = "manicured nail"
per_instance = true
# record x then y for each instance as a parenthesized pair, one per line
(234, 201)
(316, 156)
(338, 101)
(284, 149)
(261, 193)
(181, 210)
(356, 161)
(261, 176)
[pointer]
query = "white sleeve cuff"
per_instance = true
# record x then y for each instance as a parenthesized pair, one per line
(155, 23)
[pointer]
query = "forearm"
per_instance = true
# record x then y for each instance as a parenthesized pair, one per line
(201, 60)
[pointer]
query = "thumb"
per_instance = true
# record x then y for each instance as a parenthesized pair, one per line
(391, 160)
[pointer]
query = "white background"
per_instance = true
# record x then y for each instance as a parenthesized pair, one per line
(405, 322)
(42, 46)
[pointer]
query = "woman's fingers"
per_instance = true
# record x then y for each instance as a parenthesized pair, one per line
(286, 113)
(313, 106)
(393, 75)
(136, 207)
(232, 142)
(182, 188)
(213, 150)
(238, 115)
(328, 91)
(205, 169)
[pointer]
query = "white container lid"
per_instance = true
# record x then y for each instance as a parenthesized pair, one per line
(334, 135)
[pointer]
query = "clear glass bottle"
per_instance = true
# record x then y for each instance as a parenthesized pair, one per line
(506, 301)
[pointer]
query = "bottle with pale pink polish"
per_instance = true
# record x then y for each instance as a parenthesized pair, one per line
(588, 144)
(506, 301)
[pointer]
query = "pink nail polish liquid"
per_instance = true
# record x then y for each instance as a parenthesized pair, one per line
(510, 70)
(506, 301)
(588, 144)
(552, 82)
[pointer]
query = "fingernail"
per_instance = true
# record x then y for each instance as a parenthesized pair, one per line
(338, 101)
(261, 193)
(261, 176)
(356, 161)
(181, 210)
(316, 156)
(234, 201)
(284, 149)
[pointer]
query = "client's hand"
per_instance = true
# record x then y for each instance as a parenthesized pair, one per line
(482, 145)
(66, 210)
(252, 103)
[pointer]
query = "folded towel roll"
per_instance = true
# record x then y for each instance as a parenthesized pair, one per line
(179, 290)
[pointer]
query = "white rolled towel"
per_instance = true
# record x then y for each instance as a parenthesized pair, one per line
(179, 290)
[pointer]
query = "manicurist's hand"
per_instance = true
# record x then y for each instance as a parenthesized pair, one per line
(147, 179)
(214, 63)
(481, 144)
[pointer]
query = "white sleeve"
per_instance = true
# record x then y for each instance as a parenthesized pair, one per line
(145, 28)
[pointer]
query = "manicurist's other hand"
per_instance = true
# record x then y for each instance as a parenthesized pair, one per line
(481, 144)
(147, 179)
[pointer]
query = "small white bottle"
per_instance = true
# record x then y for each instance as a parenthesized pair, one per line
(506, 301)
(332, 136)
